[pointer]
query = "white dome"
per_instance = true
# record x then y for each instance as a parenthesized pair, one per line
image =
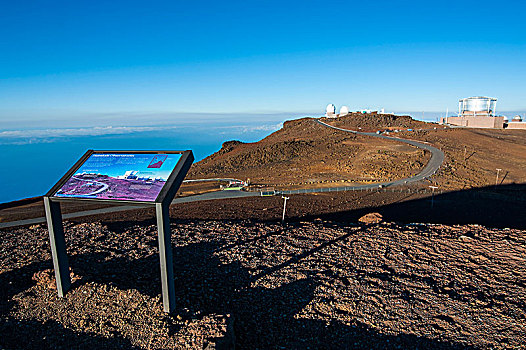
(331, 109)
(344, 111)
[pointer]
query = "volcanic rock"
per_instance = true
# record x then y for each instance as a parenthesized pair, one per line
(371, 218)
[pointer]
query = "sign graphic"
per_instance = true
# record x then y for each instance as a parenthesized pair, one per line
(157, 161)
(120, 176)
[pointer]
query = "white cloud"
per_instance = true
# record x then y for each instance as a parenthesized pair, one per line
(272, 127)
(245, 129)
(48, 135)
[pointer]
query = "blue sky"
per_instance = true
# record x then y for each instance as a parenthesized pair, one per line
(65, 60)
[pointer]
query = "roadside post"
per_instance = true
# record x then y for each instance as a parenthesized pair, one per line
(497, 178)
(433, 188)
(142, 178)
(284, 208)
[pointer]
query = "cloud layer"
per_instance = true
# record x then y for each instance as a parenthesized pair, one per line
(48, 135)
(32, 136)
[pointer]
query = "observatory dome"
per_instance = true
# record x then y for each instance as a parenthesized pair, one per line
(517, 118)
(344, 111)
(330, 111)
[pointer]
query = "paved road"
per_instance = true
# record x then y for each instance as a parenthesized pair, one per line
(437, 157)
(103, 188)
(218, 179)
(116, 209)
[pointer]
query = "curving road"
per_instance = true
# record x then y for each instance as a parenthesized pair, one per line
(103, 188)
(218, 179)
(437, 157)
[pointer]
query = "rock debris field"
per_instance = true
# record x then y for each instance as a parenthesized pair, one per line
(259, 285)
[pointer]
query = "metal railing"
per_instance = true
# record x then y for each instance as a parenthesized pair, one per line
(351, 188)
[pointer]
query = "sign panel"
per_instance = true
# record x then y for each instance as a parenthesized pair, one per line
(121, 176)
(145, 177)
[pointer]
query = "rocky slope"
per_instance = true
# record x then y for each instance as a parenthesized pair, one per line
(312, 284)
(306, 154)
(472, 155)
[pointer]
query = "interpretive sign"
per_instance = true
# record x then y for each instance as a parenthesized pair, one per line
(120, 177)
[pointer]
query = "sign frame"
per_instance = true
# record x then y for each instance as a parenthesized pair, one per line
(172, 178)
(161, 204)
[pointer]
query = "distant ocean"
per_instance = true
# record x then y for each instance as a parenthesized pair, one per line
(32, 160)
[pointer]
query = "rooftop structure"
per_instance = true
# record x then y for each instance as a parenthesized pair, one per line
(477, 106)
(477, 112)
(516, 123)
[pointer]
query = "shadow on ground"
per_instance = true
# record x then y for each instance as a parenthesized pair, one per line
(33, 334)
(262, 317)
(501, 206)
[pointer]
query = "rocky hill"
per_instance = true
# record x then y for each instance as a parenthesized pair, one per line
(472, 155)
(304, 153)
(375, 121)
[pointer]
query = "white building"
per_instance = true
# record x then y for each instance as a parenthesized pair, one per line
(330, 111)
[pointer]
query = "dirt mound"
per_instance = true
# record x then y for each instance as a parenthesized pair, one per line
(473, 155)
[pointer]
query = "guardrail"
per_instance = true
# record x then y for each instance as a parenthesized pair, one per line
(351, 188)
(359, 189)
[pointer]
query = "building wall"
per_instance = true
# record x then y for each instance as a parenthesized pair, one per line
(477, 114)
(476, 122)
(516, 125)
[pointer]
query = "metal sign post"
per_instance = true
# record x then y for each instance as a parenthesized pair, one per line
(162, 201)
(165, 256)
(58, 245)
